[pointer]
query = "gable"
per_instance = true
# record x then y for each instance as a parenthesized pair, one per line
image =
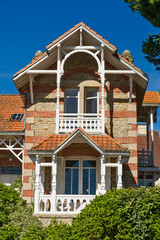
(72, 38)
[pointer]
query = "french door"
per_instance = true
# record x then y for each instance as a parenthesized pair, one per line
(80, 177)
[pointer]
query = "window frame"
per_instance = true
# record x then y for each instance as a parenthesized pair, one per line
(80, 178)
(65, 97)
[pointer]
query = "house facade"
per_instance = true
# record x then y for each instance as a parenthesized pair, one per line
(81, 104)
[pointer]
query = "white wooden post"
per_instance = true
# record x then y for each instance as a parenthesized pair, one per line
(151, 121)
(152, 136)
(31, 79)
(102, 87)
(58, 86)
(54, 183)
(119, 173)
(81, 39)
(37, 184)
(103, 174)
(131, 88)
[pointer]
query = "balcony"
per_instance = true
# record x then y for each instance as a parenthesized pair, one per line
(63, 204)
(91, 123)
(145, 159)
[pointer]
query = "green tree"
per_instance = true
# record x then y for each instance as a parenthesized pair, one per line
(150, 10)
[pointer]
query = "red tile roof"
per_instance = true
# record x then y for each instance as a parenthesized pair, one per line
(105, 142)
(10, 104)
(55, 41)
(151, 97)
(142, 144)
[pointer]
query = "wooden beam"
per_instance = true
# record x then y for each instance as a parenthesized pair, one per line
(81, 39)
(128, 72)
(42, 72)
(31, 79)
(81, 47)
(131, 88)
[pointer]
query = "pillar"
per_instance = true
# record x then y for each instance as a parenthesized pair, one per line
(58, 87)
(102, 87)
(54, 183)
(119, 173)
(103, 175)
(37, 185)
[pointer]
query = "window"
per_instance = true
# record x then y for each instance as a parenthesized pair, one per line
(91, 101)
(80, 177)
(71, 101)
(17, 116)
(11, 170)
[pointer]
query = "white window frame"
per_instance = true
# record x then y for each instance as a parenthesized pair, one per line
(85, 93)
(81, 159)
(65, 97)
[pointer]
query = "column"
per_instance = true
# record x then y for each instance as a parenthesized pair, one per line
(119, 173)
(58, 87)
(37, 184)
(103, 174)
(54, 183)
(102, 87)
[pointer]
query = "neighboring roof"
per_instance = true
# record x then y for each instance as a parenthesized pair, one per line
(142, 144)
(105, 142)
(10, 104)
(81, 24)
(151, 97)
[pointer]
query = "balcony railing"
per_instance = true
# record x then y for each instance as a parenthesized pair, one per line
(64, 203)
(91, 123)
(145, 158)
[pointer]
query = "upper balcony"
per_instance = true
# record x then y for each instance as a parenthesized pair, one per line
(88, 122)
(81, 110)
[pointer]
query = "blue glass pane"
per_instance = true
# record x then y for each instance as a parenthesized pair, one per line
(91, 93)
(72, 163)
(89, 163)
(75, 181)
(91, 105)
(71, 105)
(71, 92)
(11, 170)
(92, 181)
(68, 181)
(85, 181)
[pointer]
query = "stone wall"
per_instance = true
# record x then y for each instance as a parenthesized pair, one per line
(120, 115)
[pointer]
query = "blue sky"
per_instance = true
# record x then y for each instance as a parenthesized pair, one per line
(27, 26)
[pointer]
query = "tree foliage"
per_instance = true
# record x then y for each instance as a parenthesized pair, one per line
(150, 10)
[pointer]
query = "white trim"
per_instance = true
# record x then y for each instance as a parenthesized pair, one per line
(31, 79)
(81, 48)
(82, 51)
(41, 72)
(127, 72)
(59, 148)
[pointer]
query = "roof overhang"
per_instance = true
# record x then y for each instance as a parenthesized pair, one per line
(12, 133)
(70, 139)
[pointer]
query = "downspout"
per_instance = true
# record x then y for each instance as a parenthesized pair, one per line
(25, 106)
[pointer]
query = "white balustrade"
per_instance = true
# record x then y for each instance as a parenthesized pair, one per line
(91, 123)
(64, 203)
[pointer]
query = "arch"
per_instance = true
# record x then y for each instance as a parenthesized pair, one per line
(82, 51)
(80, 70)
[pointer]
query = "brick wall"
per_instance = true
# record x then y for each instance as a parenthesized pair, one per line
(120, 116)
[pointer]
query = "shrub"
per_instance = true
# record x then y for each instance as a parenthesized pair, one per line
(57, 231)
(16, 220)
(120, 214)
